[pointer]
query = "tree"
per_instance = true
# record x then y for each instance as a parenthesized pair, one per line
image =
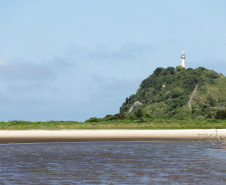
(170, 70)
(127, 100)
(179, 68)
(190, 69)
(92, 119)
(158, 71)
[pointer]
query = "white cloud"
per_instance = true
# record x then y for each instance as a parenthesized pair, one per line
(100, 96)
(110, 90)
(103, 52)
(3, 62)
(64, 62)
(21, 70)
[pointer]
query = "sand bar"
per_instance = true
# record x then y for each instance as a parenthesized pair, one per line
(31, 136)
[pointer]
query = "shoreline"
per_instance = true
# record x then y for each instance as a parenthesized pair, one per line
(37, 136)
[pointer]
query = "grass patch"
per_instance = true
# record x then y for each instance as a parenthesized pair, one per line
(119, 124)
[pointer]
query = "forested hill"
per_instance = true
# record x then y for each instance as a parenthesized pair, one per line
(166, 93)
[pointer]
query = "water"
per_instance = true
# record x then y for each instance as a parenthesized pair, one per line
(170, 162)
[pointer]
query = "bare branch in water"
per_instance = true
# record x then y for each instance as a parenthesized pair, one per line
(216, 141)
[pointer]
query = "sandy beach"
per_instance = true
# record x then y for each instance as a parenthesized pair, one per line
(31, 136)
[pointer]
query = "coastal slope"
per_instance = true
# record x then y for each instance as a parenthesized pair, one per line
(179, 93)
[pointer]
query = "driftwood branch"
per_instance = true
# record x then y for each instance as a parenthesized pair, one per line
(216, 141)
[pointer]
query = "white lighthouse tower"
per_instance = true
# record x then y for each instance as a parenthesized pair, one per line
(183, 59)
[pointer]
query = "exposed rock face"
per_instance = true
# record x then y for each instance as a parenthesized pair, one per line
(135, 106)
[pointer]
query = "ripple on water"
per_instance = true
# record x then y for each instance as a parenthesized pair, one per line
(172, 162)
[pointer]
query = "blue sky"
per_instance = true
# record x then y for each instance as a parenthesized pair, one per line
(76, 59)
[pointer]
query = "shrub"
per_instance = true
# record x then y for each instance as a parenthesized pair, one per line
(115, 117)
(148, 116)
(139, 113)
(93, 119)
(176, 92)
(221, 114)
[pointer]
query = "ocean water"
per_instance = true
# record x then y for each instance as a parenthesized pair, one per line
(150, 162)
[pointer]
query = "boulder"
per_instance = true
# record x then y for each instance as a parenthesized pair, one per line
(135, 106)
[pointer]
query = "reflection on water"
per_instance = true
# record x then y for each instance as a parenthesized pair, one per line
(171, 162)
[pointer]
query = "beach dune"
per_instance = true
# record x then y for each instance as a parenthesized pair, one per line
(31, 136)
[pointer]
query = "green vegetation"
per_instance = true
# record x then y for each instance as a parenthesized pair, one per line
(111, 122)
(27, 125)
(165, 94)
(221, 115)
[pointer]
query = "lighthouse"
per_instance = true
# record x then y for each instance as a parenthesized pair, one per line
(183, 59)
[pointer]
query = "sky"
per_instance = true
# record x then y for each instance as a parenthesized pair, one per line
(76, 59)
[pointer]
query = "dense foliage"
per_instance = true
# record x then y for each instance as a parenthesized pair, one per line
(221, 114)
(141, 120)
(165, 94)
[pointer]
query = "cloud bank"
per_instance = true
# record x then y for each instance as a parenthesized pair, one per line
(20, 70)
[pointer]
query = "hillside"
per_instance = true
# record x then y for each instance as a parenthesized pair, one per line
(166, 94)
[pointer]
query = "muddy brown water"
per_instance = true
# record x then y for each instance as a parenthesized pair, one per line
(127, 162)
